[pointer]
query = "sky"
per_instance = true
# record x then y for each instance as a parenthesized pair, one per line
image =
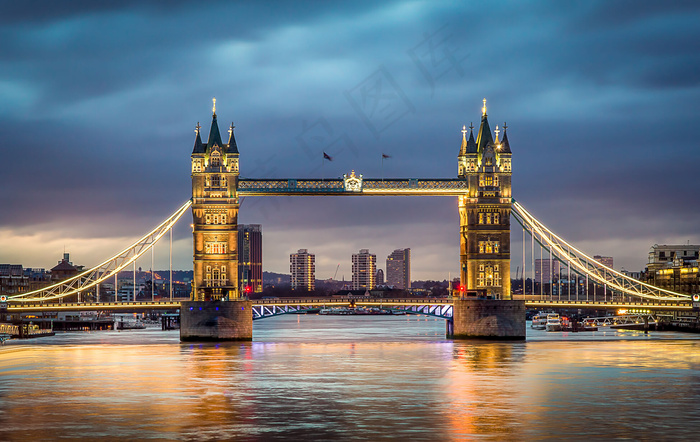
(99, 101)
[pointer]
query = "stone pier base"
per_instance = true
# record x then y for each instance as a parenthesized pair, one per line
(216, 321)
(487, 319)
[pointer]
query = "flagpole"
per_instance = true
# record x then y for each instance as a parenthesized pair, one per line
(382, 168)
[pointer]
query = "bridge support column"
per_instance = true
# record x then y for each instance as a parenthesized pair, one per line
(488, 319)
(216, 321)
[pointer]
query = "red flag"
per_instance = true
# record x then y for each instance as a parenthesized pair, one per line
(327, 157)
(385, 156)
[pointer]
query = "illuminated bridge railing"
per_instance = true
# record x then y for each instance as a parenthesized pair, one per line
(411, 186)
(584, 265)
(437, 307)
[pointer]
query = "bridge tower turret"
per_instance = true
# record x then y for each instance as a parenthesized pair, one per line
(484, 211)
(215, 215)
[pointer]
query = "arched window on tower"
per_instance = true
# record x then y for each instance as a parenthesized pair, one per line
(215, 276)
(215, 159)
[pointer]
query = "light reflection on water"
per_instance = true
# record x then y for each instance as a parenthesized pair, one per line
(363, 378)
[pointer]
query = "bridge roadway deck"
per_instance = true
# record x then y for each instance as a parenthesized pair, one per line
(332, 302)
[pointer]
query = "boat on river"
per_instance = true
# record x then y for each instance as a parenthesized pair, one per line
(539, 321)
(553, 322)
(130, 325)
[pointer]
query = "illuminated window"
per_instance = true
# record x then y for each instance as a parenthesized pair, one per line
(481, 218)
(489, 275)
(215, 159)
(481, 246)
(488, 218)
(223, 219)
(215, 181)
(495, 249)
(215, 275)
(480, 280)
(481, 267)
(216, 218)
(495, 218)
(207, 217)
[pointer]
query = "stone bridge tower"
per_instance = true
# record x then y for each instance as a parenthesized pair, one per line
(484, 213)
(215, 215)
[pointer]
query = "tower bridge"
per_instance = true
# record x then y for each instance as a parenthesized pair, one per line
(485, 305)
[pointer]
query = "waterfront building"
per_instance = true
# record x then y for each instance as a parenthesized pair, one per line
(38, 278)
(64, 269)
(364, 270)
(250, 270)
(544, 272)
(379, 279)
(661, 256)
(398, 269)
(127, 293)
(12, 279)
(607, 261)
(674, 267)
(303, 269)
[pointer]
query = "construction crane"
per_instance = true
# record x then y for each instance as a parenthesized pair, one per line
(336, 272)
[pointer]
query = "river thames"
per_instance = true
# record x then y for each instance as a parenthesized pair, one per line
(351, 378)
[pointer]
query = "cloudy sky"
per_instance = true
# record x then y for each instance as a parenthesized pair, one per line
(99, 100)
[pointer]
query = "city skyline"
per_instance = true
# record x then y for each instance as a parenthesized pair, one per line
(99, 125)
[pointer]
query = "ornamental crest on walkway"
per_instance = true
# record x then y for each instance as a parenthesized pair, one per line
(352, 182)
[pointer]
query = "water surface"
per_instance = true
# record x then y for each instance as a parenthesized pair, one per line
(351, 378)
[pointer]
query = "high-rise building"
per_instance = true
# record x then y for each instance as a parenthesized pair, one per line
(484, 210)
(607, 261)
(364, 270)
(303, 269)
(250, 269)
(544, 272)
(398, 269)
(379, 279)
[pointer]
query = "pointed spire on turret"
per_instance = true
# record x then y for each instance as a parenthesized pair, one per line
(484, 137)
(471, 144)
(214, 135)
(463, 148)
(232, 147)
(505, 146)
(198, 147)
